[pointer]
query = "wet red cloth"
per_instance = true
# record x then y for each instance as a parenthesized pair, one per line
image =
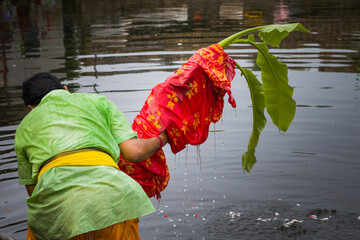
(184, 105)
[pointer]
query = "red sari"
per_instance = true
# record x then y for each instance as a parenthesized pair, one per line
(184, 105)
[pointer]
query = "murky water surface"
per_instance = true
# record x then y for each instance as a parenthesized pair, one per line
(305, 184)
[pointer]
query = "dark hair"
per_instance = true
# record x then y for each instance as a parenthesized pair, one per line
(36, 87)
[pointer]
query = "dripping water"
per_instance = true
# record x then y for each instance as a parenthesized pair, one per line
(198, 157)
(185, 173)
(215, 159)
(199, 162)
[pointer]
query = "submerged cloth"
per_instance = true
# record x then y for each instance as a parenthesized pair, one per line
(71, 200)
(184, 105)
(128, 230)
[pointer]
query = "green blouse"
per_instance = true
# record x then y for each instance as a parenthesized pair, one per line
(68, 200)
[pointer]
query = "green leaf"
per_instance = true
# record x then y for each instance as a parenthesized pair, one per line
(278, 94)
(251, 37)
(259, 120)
(275, 93)
(248, 160)
(273, 34)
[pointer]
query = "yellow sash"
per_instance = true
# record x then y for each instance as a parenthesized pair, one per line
(82, 157)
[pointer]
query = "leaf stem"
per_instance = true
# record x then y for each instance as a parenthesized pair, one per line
(253, 100)
(229, 40)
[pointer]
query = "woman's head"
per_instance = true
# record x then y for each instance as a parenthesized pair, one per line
(36, 87)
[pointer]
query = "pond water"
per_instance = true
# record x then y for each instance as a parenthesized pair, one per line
(305, 184)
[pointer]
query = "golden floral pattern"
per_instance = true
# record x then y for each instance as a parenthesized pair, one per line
(184, 105)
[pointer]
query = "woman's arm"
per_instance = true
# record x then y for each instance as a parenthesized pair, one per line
(140, 149)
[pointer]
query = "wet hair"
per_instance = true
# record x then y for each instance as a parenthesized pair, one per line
(36, 87)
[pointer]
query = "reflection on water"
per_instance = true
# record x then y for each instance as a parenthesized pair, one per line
(127, 47)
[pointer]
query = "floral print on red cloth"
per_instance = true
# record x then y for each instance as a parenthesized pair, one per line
(184, 105)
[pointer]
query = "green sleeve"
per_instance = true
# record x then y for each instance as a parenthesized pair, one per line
(119, 125)
(24, 165)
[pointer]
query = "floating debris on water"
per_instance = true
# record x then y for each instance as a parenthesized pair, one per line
(321, 219)
(264, 219)
(288, 224)
(288, 220)
(233, 214)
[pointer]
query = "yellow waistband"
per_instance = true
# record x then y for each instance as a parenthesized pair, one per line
(83, 157)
